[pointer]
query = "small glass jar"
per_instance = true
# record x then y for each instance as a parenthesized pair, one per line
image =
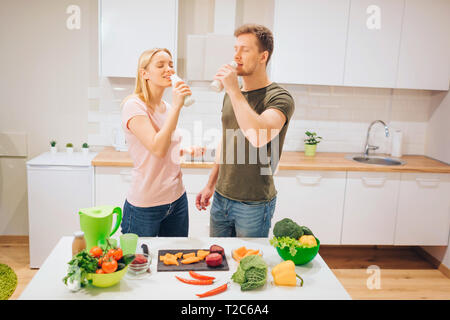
(79, 243)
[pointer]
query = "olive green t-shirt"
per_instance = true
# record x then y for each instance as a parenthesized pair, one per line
(246, 172)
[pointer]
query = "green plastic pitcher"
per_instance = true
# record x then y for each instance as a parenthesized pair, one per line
(96, 223)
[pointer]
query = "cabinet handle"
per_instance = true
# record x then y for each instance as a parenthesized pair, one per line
(308, 180)
(373, 182)
(428, 182)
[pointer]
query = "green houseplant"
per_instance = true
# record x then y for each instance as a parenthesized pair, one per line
(85, 148)
(53, 148)
(311, 141)
(69, 147)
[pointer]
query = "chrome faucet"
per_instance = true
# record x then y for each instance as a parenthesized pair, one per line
(369, 147)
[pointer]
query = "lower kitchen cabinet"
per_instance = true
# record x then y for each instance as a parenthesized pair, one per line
(423, 216)
(314, 199)
(370, 208)
(112, 185)
(194, 181)
(350, 208)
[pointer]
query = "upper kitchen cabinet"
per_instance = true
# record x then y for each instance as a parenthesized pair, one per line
(373, 43)
(424, 47)
(128, 28)
(309, 41)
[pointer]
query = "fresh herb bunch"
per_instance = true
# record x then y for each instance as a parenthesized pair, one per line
(53, 143)
(79, 267)
(85, 145)
(312, 138)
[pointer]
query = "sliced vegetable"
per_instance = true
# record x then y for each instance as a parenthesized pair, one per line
(171, 260)
(188, 255)
(200, 276)
(189, 260)
(196, 282)
(167, 255)
(243, 252)
(179, 255)
(214, 291)
(202, 254)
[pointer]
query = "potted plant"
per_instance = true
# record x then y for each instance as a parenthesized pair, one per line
(53, 146)
(69, 147)
(85, 148)
(311, 142)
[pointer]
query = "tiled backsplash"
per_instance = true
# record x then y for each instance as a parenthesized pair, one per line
(341, 115)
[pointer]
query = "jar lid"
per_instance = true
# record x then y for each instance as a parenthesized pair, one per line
(79, 234)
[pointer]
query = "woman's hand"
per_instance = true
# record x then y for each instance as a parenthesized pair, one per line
(180, 91)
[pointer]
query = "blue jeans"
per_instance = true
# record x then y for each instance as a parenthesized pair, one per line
(168, 220)
(230, 218)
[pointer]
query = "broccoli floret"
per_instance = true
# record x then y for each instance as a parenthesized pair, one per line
(307, 231)
(287, 228)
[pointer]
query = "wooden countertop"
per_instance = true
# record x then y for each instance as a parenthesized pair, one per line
(323, 161)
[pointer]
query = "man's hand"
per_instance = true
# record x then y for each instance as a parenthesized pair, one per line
(202, 200)
(228, 76)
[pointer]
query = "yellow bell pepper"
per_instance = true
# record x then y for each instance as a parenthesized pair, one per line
(308, 240)
(284, 274)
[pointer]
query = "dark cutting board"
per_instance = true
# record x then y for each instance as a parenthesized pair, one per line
(198, 266)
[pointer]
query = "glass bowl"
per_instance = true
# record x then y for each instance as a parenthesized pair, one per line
(140, 264)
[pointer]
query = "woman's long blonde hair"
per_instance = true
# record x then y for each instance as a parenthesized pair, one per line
(141, 89)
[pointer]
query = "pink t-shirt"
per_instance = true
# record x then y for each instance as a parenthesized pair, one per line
(155, 181)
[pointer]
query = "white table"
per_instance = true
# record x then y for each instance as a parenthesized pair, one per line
(319, 280)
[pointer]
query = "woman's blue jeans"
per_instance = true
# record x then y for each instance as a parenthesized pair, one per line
(168, 220)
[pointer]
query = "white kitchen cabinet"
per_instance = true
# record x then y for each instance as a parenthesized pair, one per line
(370, 208)
(373, 43)
(425, 45)
(314, 199)
(112, 185)
(59, 185)
(194, 181)
(128, 28)
(310, 38)
(423, 216)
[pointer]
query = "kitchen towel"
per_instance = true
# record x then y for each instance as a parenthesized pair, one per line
(396, 146)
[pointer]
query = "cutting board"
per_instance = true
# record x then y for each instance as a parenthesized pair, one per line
(198, 266)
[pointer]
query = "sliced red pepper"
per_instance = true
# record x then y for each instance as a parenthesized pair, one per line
(200, 282)
(200, 276)
(214, 291)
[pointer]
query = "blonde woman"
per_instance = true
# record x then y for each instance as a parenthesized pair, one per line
(156, 204)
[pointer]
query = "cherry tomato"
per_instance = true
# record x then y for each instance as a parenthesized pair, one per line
(118, 254)
(96, 252)
(110, 253)
(100, 262)
(109, 266)
(99, 271)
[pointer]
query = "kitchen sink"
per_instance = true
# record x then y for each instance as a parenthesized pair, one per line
(384, 161)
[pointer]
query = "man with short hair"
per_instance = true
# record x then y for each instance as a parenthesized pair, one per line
(255, 119)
